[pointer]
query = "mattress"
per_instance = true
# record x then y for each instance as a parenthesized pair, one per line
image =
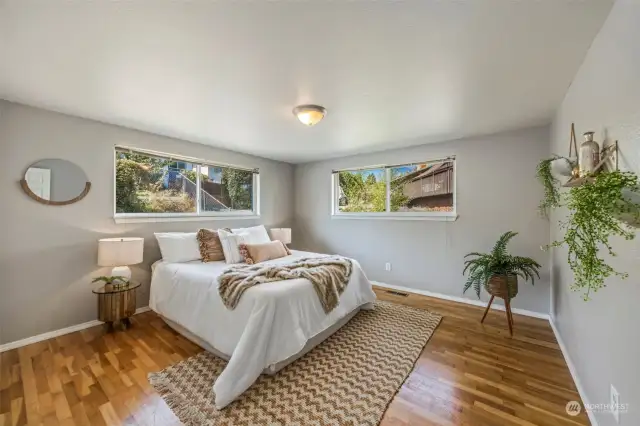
(272, 323)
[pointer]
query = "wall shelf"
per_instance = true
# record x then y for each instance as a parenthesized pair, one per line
(608, 153)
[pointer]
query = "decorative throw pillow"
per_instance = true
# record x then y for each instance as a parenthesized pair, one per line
(256, 253)
(230, 243)
(253, 235)
(210, 245)
(244, 252)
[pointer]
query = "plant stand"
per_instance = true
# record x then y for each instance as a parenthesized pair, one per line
(498, 286)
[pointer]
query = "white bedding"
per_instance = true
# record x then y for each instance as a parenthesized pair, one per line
(271, 322)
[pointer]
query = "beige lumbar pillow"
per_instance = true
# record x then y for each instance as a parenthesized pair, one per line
(256, 253)
(210, 246)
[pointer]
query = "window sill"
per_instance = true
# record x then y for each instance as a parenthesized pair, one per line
(151, 219)
(386, 216)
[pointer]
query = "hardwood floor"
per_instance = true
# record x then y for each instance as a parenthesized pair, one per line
(468, 374)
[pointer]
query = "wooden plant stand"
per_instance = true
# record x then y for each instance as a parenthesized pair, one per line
(498, 286)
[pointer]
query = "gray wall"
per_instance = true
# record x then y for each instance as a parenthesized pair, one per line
(602, 335)
(49, 254)
(496, 192)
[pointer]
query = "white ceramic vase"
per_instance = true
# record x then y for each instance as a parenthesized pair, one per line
(589, 155)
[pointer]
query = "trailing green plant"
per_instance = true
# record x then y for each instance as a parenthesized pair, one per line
(111, 280)
(594, 211)
(551, 197)
(498, 262)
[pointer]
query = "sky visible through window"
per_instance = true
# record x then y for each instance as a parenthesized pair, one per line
(379, 173)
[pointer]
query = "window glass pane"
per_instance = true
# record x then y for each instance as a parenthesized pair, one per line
(422, 187)
(146, 184)
(226, 189)
(362, 191)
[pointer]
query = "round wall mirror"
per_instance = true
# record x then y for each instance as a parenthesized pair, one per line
(55, 182)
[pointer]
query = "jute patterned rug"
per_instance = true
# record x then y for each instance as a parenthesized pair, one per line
(349, 379)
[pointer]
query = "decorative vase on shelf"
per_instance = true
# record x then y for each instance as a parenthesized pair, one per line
(589, 155)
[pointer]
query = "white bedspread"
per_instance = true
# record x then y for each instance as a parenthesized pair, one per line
(272, 321)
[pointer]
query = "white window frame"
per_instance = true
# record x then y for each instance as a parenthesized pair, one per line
(198, 215)
(389, 215)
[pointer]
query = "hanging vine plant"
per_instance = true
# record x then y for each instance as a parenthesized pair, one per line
(551, 198)
(594, 211)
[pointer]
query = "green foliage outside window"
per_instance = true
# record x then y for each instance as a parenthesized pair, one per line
(192, 175)
(238, 185)
(363, 191)
(140, 186)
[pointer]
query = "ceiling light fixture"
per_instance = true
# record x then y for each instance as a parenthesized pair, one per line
(309, 114)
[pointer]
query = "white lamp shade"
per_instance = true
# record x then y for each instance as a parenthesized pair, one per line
(120, 251)
(281, 234)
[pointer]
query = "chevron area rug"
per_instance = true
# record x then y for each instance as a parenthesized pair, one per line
(349, 379)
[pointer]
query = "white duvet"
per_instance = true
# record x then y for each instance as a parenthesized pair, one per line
(272, 321)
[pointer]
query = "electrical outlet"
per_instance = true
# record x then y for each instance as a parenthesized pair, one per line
(615, 404)
(387, 266)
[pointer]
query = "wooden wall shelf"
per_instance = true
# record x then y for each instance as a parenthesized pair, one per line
(608, 153)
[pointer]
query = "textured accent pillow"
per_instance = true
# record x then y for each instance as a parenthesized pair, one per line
(210, 245)
(230, 242)
(256, 253)
(242, 248)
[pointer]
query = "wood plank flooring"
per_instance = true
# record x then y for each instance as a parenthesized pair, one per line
(468, 374)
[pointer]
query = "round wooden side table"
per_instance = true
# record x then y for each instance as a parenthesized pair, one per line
(116, 303)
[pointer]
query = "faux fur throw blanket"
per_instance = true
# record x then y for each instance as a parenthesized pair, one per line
(329, 276)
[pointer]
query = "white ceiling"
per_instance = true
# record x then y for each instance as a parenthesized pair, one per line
(390, 73)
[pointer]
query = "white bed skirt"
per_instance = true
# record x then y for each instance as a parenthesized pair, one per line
(273, 368)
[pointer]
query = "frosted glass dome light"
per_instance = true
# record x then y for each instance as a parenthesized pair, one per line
(309, 114)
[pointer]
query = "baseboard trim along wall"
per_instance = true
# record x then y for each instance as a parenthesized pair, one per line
(574, 373)
(460, 300)
(56, 333)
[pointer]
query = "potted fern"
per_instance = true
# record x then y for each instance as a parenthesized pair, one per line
(498, 273)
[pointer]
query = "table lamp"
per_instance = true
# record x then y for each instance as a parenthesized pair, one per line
(281, 234)
(119, 253)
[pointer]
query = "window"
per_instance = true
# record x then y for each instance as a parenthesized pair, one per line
(415, 190)
(156, 185)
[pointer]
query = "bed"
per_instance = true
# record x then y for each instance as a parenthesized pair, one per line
(273, 324)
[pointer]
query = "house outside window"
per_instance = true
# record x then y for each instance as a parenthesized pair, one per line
(422, 190)
(155, 185)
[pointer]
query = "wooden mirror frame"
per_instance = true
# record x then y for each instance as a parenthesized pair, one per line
(30, 193)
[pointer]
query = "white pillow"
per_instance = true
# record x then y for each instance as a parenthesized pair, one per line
(254, 235)
(230, 242)
(178, 246)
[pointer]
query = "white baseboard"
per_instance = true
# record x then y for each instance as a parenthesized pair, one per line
(56, 333)
(460, 300)
(574, 372)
